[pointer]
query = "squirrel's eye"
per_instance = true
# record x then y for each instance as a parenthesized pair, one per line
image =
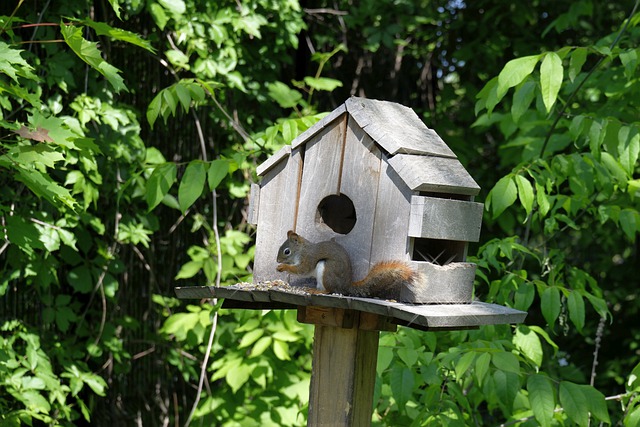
(287, 251)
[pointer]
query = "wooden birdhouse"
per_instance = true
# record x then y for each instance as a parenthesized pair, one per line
(374, 178)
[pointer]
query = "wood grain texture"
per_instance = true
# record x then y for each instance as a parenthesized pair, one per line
(389, 239)
(254, 205)
(441, 284)
(326, 121)
(435, 174)
(397, 128)
(272, 161)
(424, 316)
(445, 219)
(277, 209)
(321, 177)
(343, 377)
(359, 182)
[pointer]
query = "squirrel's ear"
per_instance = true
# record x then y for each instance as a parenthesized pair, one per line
(291, 233)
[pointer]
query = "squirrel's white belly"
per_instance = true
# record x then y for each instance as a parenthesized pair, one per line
(319, 274)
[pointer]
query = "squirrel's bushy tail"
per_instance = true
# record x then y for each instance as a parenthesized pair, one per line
(385, 280)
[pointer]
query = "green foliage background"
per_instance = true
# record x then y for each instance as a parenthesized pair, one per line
(130, 132)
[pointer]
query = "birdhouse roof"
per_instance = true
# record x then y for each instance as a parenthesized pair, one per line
(418, 155)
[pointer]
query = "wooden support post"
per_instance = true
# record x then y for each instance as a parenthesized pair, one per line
(345, 352)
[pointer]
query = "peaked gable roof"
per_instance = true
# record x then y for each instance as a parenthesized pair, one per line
(418, 155)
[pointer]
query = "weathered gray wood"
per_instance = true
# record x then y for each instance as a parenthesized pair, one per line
(342, 377)
(435, 174)
(397, 128)
(254, 204)
(445, 219)
(326, 121)
(321, 176)
(425, 316)
(441, 284)
(389, 239)
(359, 182)
(277, 211)
(272, 161)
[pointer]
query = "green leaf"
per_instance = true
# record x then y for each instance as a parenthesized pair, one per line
(13, 65)
(322, 83)
(159, 183)
(522, 99)
(238, 376)
(574, 402)
(103, 29)
(281, 350)
(614, 167)
(529, 344)
(192, 184)
(154, 109)
(541, 398)
(35, 401)
(260, 346)
(463, 364)
(116, 7)
(629, 59)
(402, 381)
(550, 304)
(218, 169)
(507, 385)
(525, 192)
(482, 366)
(578, 58)
(514, 72)
(189, 269)
(543, 201)
(503, 195)
(628, 220)
(551, 74)
(575, 305)
(283, 94)
(177, 7)
(89, 53)
(43, 186)
(250, 337)
(597, 404)
(80, 279)
(506, 361)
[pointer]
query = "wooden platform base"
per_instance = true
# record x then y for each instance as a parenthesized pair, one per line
(279, 295)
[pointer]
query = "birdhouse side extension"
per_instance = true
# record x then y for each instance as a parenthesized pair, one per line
(373, 177)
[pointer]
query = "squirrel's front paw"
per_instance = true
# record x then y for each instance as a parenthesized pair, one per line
(281, 267)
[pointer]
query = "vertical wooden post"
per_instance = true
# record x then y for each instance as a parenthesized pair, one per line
(345, 352)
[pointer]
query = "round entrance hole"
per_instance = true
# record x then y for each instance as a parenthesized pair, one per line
(338, 213)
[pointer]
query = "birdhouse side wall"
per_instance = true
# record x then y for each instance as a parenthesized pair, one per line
(359, 181)
(320, 178)
(276, 214)
(446, 219)
(389, 239)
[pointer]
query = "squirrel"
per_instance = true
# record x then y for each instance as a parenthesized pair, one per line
(329, 263)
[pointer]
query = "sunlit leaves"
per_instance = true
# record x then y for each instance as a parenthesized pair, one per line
(503, 195)
(183, 93)
(551, 74)
(159, 183)
(89, 53)
(191, 184)
(514, 72)
(13, 65)
(578, 401)
(541, 396)
(550, 304)
(284, 95)
(102, 29)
